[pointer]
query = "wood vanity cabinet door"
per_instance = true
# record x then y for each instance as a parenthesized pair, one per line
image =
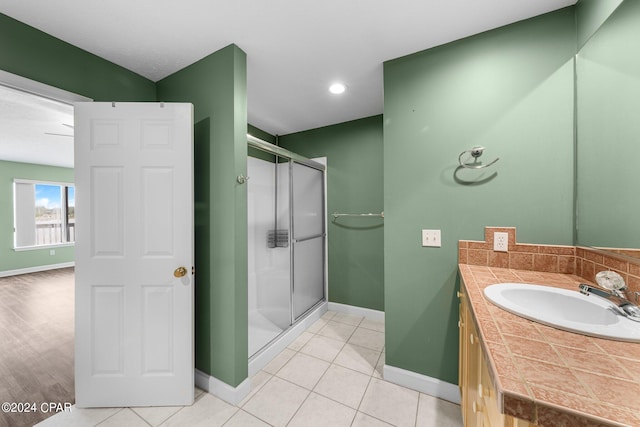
(463, 361)
(479, 403)
(474, 365)
(461, 346)
(469, 365)
(487, 393)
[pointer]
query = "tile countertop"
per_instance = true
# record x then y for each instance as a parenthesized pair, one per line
(548, 376)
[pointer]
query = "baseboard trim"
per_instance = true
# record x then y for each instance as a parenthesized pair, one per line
(357, 311)
(36, 269)
(222, 390)
(422, 383)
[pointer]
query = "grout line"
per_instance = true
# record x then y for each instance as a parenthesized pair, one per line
(238, 409)
(301, 404)
(252, 391)
(110, 416)
(364, 394)
(415, 422)
(164, 422)
(139, 416)
(249, 413)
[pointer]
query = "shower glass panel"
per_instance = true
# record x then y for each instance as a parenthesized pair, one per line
(269, 260)
(308, 273)
(308, 237)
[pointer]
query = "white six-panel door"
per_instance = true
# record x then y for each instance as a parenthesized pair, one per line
(134, 232)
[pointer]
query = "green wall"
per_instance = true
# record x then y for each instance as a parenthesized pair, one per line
(33, 54)
(510, 90)
(354, 185)
(590, 15)
(10, 259)
(216, 85)
(608, 94)
(265, 136)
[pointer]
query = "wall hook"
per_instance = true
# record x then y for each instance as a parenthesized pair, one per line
(475, 153)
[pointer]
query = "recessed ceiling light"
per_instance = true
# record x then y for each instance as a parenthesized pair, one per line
(337, 88)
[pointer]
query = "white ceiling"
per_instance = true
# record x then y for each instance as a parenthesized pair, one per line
(295, 48)
(34, 129)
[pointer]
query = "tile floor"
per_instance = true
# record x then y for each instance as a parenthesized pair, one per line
(330, 376)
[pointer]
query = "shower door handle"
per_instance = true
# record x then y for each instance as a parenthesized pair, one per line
(304, 239)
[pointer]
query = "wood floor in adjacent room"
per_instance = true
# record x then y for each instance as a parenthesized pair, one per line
(36, 343)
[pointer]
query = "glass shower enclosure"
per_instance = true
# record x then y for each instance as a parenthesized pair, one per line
(286, 240)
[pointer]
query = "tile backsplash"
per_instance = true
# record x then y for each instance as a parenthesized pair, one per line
(581, 261)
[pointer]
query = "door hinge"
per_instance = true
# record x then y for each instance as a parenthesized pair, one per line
(193, 270)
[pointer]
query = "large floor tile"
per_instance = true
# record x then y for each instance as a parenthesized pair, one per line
(79, 417)
(303, 370)
(276, 402)
(257, 382)
(349, 319)
(390, 402)
(364, 420)
(126, 417)
(329, 315)
(368, 338)
(343, 385)
(206, 411)
(317, 325)
(279, 361)
(299, 342)
(156, 415)
(373, 325)
(357, 358)
(244, 419)
(437, 412)
(318, 411)
(378, 373)
(337, 331)
(323, 348)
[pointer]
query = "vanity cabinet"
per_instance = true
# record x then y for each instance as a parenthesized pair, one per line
(479, 400)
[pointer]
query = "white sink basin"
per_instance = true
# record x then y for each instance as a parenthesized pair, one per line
(564, 309)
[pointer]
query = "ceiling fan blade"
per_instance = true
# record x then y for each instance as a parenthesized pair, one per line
(57, 134)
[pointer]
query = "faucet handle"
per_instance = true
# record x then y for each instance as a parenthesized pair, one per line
(631, 311)
(610, 280)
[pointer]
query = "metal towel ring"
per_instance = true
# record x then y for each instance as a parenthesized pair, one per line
(475, 153)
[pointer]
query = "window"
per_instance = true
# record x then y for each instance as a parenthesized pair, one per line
(44, 214)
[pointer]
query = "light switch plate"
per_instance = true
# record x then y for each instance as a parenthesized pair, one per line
(431, 238)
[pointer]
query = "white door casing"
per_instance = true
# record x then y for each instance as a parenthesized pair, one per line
(134, 228)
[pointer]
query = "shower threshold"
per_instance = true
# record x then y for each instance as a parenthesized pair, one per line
(267, 353)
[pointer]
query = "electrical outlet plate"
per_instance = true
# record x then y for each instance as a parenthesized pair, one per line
(431, 238)
(501, 241)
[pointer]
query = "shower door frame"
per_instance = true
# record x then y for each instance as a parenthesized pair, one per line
(259, 144)
(294, 240)
(292, 157)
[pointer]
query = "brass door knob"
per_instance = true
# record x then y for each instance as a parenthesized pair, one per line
(180, 271)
